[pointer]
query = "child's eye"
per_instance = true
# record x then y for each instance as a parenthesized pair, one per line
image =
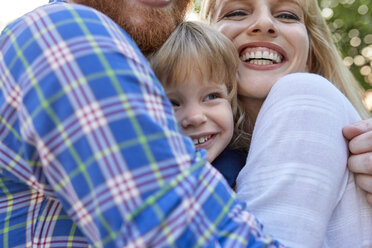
(212, 96)
(174, 103)
(235, 13)
(288, 16)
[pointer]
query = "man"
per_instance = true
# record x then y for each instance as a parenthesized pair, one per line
(90, 152)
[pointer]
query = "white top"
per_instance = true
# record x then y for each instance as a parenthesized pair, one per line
(296, 180)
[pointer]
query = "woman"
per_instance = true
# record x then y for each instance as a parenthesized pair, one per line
(301, 190)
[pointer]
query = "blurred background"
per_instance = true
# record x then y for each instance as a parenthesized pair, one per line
(9, 10)
(351, 24)
(349, 20)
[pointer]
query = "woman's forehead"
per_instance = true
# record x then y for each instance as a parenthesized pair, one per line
(219, 2)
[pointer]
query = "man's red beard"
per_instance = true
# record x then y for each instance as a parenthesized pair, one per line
(149, 27)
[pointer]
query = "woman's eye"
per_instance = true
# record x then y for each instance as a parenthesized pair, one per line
(288, 16)
(235, 13)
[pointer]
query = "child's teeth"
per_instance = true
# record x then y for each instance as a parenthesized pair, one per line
(201, 140)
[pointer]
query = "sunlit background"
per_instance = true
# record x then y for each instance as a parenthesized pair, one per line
(349, 20)
(351, 24)
(11, 9)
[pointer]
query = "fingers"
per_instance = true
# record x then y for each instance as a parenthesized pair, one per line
(351, 131)
(369, 198)
(361, 163)
(361, 143)
(364, 182)
(357, 128)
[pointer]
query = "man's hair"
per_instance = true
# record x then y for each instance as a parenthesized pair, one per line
(197, 48)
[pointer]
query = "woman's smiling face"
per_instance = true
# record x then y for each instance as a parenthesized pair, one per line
(271, 38)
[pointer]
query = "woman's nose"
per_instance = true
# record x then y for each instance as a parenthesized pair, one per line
(263, 24)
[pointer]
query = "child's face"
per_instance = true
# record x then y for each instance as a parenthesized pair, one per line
(204, 113)
(271, 38)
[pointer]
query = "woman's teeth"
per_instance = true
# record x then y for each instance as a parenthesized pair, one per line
(259, 57)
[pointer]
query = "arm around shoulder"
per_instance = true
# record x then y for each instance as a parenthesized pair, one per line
(297, 143)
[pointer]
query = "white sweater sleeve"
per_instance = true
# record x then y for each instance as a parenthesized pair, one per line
(296, 171)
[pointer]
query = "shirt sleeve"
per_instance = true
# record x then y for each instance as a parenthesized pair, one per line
(296, 171)
(87, 123)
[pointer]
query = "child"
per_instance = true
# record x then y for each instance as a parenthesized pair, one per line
(198, 66)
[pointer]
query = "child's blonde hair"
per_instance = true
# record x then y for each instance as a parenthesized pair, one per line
(324, 57)
(198, 48)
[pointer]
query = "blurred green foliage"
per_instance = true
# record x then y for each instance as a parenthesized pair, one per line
(350, 22)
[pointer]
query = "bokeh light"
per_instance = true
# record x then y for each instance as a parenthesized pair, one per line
(368, 39)
(351, 27)
(365, 70)
(355, 41)
(353, 33)
(327, 13)
(368, 99)
(359, 60)
(363, 9)
(348, 61)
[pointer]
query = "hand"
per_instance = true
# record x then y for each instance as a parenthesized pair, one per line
(360, 161)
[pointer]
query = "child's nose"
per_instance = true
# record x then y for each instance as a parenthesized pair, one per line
(193, 117)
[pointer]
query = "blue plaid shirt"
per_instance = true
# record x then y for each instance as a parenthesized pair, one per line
(90, 151)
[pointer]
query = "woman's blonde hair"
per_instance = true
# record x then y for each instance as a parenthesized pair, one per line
(324, 58)
(197, 48)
